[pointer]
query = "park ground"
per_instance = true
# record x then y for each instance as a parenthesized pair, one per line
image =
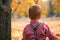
(17, 26)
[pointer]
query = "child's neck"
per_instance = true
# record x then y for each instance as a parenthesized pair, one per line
(34, 21)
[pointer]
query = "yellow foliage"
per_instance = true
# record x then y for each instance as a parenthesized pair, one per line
(57, 4)
(14, 6)
(57, 7)
(30, 2)
(22, 8)
(57, 11)
(44, 13)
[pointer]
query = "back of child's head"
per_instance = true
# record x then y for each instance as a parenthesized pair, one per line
(34, 12)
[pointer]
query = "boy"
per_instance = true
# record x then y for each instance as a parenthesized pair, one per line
(36, 30)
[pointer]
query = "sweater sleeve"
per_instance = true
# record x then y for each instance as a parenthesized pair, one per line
(49, 33)
(24, 34)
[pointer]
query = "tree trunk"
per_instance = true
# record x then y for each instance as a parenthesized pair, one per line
(5, 20)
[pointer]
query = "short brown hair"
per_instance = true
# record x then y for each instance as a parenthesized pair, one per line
(34, 12)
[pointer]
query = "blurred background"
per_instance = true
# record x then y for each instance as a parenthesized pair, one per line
(50, 11)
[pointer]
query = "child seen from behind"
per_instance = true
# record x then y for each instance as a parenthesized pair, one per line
(37, 30)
